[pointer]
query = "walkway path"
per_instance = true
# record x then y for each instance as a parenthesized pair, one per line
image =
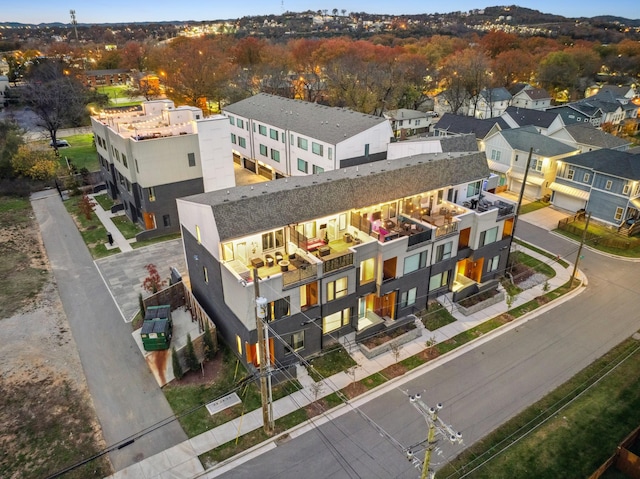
(179, 460)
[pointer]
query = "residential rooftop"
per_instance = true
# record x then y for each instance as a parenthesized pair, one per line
(612, 162)
(525, 138)
(329, 124)
(251, 209)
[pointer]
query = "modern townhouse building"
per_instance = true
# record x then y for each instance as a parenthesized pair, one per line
(279, 137)
(342, 251)
(507, 154)
(152, 154)
(605, 182)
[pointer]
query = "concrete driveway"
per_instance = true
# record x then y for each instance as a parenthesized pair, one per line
(546, 218)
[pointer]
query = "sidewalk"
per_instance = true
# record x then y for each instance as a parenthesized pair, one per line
(119, 241)
(182, 460)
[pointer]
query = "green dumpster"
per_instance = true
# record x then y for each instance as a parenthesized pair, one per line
(157, 328)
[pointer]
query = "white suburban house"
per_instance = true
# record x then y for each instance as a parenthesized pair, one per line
(586, 137)
(278, 137)
(405, 122)
(532, 98)
(546, 122)
(491, 102)
(508, 152)
(152, 154)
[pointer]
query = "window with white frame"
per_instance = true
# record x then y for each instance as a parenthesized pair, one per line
(263, 150)
(625, 189)
(636, 190)
(408, 298)
(262, 130)
(495, 155)
(586, 177)
(570, 173)
(443, 251)
(618, 215)
(273, 134)
(330, 153)
(335, 321)
(488, 236)
(415, 262)
(608, 185)
(302, 143)
(337, 289)
(316, 148)
(536, 164)
(303, 165)
(438, 280)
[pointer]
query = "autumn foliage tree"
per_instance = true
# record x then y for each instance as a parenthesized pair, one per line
(86, 206)
(36, 164)
(153, 283)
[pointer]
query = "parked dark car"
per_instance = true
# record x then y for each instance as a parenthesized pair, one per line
(60, 143)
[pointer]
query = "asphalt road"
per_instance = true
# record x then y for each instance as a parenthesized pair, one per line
(126, 397)
(480, 389)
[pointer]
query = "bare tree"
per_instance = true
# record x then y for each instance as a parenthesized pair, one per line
(56, 97)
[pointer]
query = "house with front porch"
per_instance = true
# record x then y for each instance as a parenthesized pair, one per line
(604, 182)
(508, 152)
(342, 251)
(278, 137)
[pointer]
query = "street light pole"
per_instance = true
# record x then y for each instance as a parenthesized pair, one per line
(582, 240)
(264, 368)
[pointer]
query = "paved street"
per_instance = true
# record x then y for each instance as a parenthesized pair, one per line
(126, 397)
(479, 389)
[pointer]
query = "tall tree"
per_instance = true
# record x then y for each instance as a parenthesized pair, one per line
(10, 141)
(557, 73)
(57, 97)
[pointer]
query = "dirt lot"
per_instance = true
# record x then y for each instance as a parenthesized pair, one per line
(47, 421)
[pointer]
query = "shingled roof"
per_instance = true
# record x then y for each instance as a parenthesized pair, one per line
(246, 210)
(328, 124)
(467, 124)
(611, 162)
(526, 137)
(527, 116)
(589, 135)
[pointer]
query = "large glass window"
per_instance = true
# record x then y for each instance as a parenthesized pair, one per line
(337, 289)
(489, 236)
(335, 321)
(443, 251)
(273, 134)
(317, 148)
(275, 155)
(367, 270)
(242, 142)
(302, 143)
(262, 130)
(415, 262)
(263, 150)
(473, 189)
(493, 263)
(232, 120)
(317, 169)
(278, 309)
(408, 298)
(240, 123)
(438, 280)
(303, 165)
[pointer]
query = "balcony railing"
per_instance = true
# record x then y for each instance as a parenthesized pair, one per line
(447, 229)
(337, 262)
(300, 275)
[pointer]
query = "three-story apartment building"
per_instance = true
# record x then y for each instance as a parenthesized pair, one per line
(344, 250)
(277, 137)
(153, 154)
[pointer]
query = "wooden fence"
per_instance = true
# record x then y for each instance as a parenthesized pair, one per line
(618, 242)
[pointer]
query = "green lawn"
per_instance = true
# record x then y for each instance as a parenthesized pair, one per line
(330, 363)
(92, 230)
(604, 233)
(542, 252)
(533, 206)
(570, 432)
(435, 317)
(82, 152)
(126, 227)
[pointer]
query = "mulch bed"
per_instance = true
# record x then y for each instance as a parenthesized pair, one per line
(212, 370)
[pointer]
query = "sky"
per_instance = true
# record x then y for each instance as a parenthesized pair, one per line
(119, 11)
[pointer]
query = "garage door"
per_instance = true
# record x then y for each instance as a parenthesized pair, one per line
(530, 191)
(567, 202)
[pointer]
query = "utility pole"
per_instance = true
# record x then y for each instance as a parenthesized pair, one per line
(582, 240)
(265, 366)
(436, 426)
(524, 184)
